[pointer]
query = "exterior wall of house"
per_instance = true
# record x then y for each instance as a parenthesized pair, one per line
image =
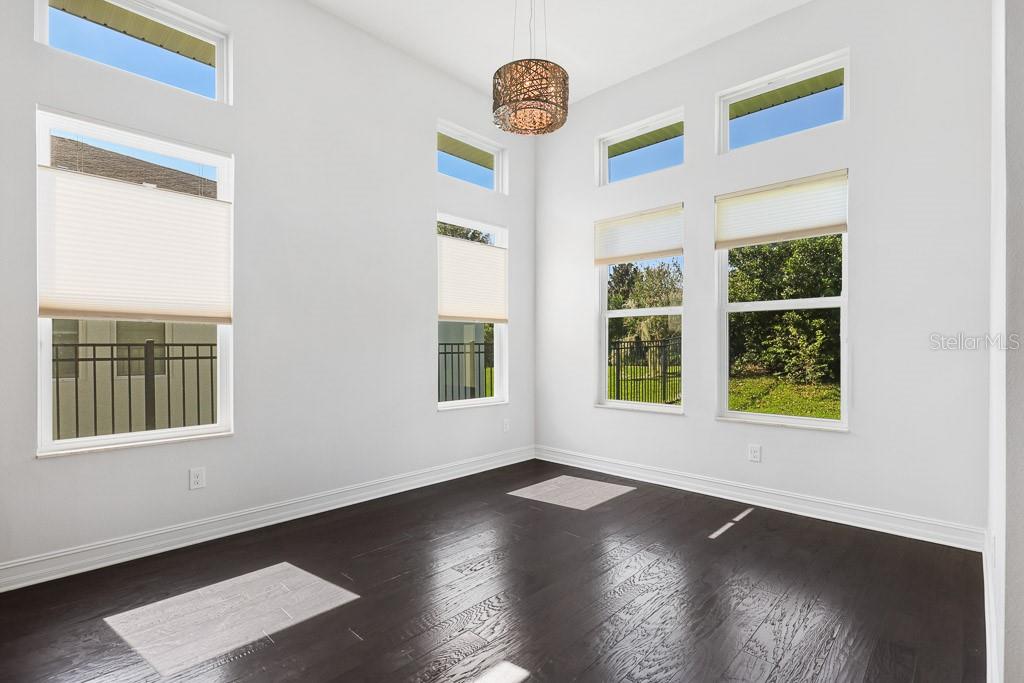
(916, 146)
(336, 200)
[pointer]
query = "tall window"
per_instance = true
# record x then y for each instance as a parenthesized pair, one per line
(642, 148)
(469, 157)
(135, 295)
(141, 38)
(640, 270)
(782, 255)
(472, 300)
(806, 96)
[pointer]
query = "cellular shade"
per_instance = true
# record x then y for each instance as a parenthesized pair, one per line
(801, 208)
(118, 250)
(649, 234)
(471, 281)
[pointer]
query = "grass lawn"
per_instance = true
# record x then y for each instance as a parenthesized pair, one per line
(778, 397)
(634, 386)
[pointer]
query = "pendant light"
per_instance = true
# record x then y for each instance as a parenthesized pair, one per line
(531, 96)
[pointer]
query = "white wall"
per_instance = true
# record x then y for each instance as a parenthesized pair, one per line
(916, 145)
(336, 194)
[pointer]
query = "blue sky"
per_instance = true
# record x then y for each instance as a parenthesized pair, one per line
(646, 159)
(806, 112)
(465, 170)
(102, 44)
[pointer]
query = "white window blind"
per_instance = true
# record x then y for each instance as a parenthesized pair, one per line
(649, 234)
(801, 208)
(117, 250)
(471, 281)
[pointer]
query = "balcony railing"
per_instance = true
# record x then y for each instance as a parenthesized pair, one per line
(113, 388)
(645, 371)
(465, 370)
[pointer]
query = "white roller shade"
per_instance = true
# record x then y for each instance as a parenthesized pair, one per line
(801, 208)
(472, 281)
(112, 249)
(648, 234)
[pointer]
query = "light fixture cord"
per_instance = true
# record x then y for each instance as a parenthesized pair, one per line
(545, 28)
(515, 21)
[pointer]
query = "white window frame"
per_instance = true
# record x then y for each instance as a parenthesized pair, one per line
(603, 400)
(501, 175)
(610, 138)
(173, 16)
(501, 330)
(46, 120)
(780, 79)
(726, 307)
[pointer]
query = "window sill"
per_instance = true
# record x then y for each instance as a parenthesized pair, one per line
(642, 407)
(471, 403)
(94, 445)
(781, 421)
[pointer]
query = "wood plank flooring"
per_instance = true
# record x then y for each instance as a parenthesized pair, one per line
(455, 578)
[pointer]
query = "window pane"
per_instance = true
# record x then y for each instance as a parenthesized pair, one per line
(646, 284)
(95, 394)
(799, 106)
(785, 363)
(796, 269)
(468, 234)
(465, 361)
(109, 160)
(645, 359)
(652, 157)
(461, 160)
(127, 48)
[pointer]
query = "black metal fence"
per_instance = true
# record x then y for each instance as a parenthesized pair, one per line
(465, 370)
(645, 371)
(112, 388)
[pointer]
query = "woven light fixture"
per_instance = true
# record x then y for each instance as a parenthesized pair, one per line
(531, 96)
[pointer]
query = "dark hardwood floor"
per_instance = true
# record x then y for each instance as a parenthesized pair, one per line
(457, 577)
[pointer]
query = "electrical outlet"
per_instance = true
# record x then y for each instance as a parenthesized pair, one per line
(754, 452)
(506, 426)
(196, 478)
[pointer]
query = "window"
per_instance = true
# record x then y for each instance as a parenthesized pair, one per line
(641, 148)
(134, 287)
(141, 38)
(472, 296)
(805, 97)
(640, 271)
(469, 157)
(782, 255)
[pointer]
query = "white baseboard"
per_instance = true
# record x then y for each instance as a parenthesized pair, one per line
(899, 523)
(47, 566)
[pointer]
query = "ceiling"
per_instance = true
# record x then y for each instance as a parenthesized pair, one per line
(599, 42)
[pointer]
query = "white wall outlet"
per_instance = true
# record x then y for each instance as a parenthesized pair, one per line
(196, 478)
(506, 425)
(754, 452)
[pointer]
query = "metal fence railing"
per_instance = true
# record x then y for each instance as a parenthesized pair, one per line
(645, 371)
(112, 388)
(465, 370)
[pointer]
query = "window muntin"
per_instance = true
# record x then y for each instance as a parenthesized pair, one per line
(791, 101)
(97, 388)
(784, 302)
(460, 159)
(642, 148)
(124, 35)
(472, 312)
(640, 264)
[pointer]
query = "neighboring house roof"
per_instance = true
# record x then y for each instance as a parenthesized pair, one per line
(78, 156)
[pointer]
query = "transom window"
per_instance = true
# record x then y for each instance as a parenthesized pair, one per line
(134, 288)
(797, 99)
(642, 148)
(640, 272)
(176, 48)
(469, 157)
(782, 254)
(472, 326)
